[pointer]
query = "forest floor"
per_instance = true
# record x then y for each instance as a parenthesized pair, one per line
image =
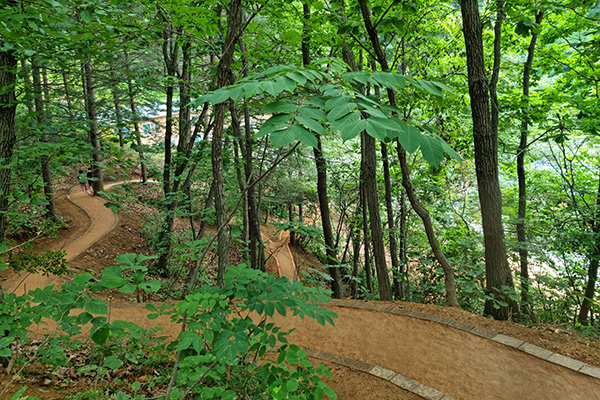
(375, 349)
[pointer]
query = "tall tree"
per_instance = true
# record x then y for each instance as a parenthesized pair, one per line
(406, 181)
(521, 177)
(486, 164)
(89, 93)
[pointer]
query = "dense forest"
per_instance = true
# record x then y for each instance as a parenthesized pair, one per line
(433, 152)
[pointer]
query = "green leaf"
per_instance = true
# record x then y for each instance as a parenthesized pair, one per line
(347, 121)
(96, 306)
(350, 132)
(150, 286)
(82, 278)
(100, 335)
(275, 123)
(410, 139)
(127, 259)
(434, 90)
(112, 362)
(310, 124)
(111, 281)
(432, 150)
(151, 307)
(341, 110)
(303, 135)
(278, 107)
(17, 396)
(313, 113)
(375, 130)
(282, 137)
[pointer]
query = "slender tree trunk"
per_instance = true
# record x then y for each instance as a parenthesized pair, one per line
(486, 164)
(137, 136)
(590, 288)
(391, 224)
(8, 105)
(522, 151)
(370, 182)
(256, 248)
(365, 228)
(67, 94)
(234, 21)
(117, 104)
(404, 283)
(89, 90)
(406, 182)
(45, 156)
(331, 251)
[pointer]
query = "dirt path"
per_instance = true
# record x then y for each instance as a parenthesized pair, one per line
(456, 363)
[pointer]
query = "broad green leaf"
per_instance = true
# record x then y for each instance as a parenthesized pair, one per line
(150, 286)
(282, 137)
(127, 288)
(313, 113)
(287, 84)
(126, 259)
(347, 121)
(303, 135)
(96, 306)
(410, 139)
(100, 335)
(375, 131)
(335, 102)
(310, 124)
(278, 107)
(82, 278)
(112, 362)
(372, 111)
(434, 90)
(299, 78)
(341, 110)
(275, 123)
(350, 132)
(111, 281)
(432, 150)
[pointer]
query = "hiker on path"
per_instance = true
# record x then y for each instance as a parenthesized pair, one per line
(83, 181)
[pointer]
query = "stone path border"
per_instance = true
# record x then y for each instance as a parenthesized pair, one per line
(516, 344)
(403, 382)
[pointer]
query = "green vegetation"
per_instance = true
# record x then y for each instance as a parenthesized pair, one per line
(440, 152)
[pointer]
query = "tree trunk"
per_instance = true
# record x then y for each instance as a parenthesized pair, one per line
(406, 182)
(117, 104)
(89, 90)
(8, 105)
(486, 165)
(136, 123)
(234, 21)
(370, 182)
(391, 224)
(522, 151)
(330, 250)
(44, 157)
(365, 227)
(590, 288)
(404, 283)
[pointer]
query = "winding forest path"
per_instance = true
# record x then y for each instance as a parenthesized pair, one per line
(422, 355)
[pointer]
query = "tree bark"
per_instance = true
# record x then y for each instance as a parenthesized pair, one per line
(44, 157)
(590, 288)
(370, 182)
(397, 283)
(486, 165)
(136, 124)
(117, 104)
(365, 226)
(234, 22)
(89, 90)
(8, 105)
(521, 177)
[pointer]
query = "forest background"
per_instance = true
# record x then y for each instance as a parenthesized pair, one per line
(425, 151)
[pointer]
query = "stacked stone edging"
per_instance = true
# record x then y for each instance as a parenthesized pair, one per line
(533, 350)
(403, 382)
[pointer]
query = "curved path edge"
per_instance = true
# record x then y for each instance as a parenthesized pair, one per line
(403, 382)
(517, 344)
